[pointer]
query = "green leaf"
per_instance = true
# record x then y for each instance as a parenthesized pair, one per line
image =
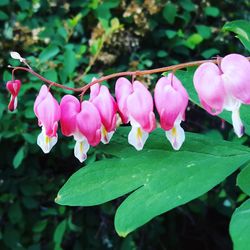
(169, 12)
(49, 53)
(157, 178)
(212, 11)
(240, 227)
(40, 226)
(20, 155)
(204, 31)
(209, 53)
(58, 234)
(243, 180)
(187, 5)
(69, 62)
(51, 75)
(194, 40)
(242, 29)
(3, 16)
(170, 33)
(4, 2)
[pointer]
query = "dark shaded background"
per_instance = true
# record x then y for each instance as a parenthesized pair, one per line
(61, 40)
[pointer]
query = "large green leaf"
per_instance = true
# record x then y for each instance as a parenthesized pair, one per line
(186, 77)
(158, 177)
(240, 227)
(243, 180)
(242, 29)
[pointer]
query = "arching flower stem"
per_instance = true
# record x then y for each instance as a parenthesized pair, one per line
(82, 90)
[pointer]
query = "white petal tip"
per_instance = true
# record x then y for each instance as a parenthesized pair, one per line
(106, 136)
(46, 143)
(176, 136)
(80, 150)
(137, 137)
(237, 123)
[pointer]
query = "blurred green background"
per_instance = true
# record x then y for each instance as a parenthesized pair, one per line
(70, 42)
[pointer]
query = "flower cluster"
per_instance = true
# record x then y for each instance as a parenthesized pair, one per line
(224, 85)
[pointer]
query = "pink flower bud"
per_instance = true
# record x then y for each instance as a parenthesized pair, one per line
(107, 107)
(171, 100)
(135, 104)
(48, 112)
(81, 120)
(13, 87)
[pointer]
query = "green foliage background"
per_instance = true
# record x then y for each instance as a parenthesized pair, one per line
(66, 39)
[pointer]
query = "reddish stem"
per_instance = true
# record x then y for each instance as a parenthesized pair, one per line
(83, 89)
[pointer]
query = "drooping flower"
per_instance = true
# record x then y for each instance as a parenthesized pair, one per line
(171, 100)
(107, 107)
(225, 86)
(48, 112)
(135, 105)
(81, 120)
(13, 87)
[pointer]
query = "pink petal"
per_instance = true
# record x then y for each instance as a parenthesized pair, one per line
(70, 108)
(171, 100)
(236, 76)
(47, 111)
(41, 96)
(123, 88)
(140, 107)
(209, 86)
(89, 123)
(94, 91)
(13, 87)
(107, 108)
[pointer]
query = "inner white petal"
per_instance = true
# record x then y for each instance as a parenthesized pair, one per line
(137, 137)
(237, 123)
(81, 148)
(15, 103)
(45, 142)
(106, 136)
(176, 136)
(231, 103)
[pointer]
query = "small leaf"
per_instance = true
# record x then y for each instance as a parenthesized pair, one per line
(210, 52)
(69, 62)
(212, 11)
(20, 155)
(204, 31)
(242, 29)
(49, 53)
(194, 40)
(243, 179)
(169, 12)
(40, 226)
(4, 2)
(59, 232)
(240, 227)
(187, 5)
(3, 16)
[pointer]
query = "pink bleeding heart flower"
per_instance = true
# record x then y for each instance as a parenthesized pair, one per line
(13, 87)
(48, 112)
(107, 107)
(171, 100)
(83, 122)
(135, 105)
(226, 86)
